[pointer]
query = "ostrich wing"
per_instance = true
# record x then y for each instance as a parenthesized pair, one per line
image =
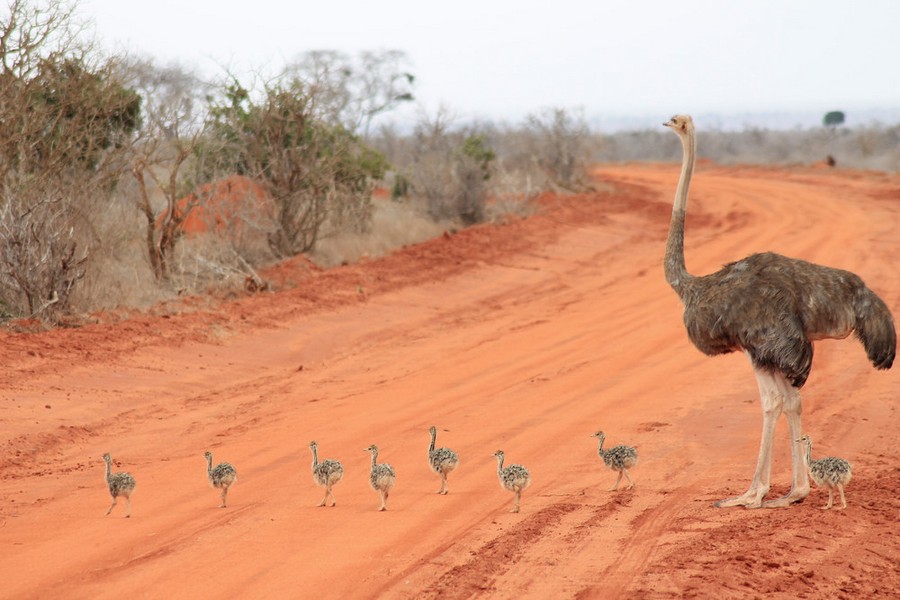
(774, 307)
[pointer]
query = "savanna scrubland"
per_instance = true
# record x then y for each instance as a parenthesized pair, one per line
(127, 184)
(243, 267)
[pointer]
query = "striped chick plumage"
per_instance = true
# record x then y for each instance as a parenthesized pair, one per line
(381, 476)
(118, 484)
(326, 473)
(441, 460)
(618, 458)
(222, 476)
(830, 472)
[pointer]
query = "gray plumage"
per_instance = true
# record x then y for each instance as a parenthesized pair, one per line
(831, 472)
(381, 476)
(222, 476)
(325, 473)
(772, 308)
(441, 460)
(618, 458)
(514, 478)
(119, 484)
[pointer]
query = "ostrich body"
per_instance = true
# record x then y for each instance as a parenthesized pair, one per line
(119, 484)
(827, 472)
(325, 473)
(514, 478)
(441, 460)
(772, 308)
(221, 476)
(381, 476)
(618, 458)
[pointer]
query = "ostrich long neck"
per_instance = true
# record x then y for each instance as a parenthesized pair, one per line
(108, 469)
(315, 456)
(807, 456)
(600, 439)
(374, 458)
(676, 272)
(431, 445)
(209, 464)
(500, 465)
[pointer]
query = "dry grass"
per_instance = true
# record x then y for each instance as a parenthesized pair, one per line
(394, 225)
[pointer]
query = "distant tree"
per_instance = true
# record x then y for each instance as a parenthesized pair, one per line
(833, 118)
(353, 91)
(559, 144)
(450, 169)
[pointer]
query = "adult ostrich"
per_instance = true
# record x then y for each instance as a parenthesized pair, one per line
(772, 308)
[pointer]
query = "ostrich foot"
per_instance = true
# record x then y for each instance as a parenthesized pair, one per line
(752, 498)
(797, 494)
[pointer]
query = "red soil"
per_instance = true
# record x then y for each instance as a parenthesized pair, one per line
(526, 336)
(224, 205)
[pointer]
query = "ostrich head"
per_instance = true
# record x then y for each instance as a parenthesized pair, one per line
(207, 455)
(680, 124)
(373, 449)
(499, 454)
(432, 430)
(313, 444)
(107, 458)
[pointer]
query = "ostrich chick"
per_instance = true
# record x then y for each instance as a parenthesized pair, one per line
(617, 458)
(381, 476)
(514, 478)
(829, 472)
(441, 460)
(325, 473)
(119, 484)
(221, 476)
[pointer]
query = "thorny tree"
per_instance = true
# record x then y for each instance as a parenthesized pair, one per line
(317, 174)
(167, 159)
(64, 119)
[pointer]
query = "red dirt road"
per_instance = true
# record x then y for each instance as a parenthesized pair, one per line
(527, 336)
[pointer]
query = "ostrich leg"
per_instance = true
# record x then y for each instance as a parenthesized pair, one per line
(799, 478)
(772, 399)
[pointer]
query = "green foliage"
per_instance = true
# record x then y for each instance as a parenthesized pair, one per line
(833, 118)
(316, 172)
(400, 188)
(65, 114)
(65, 119)
(474, 147)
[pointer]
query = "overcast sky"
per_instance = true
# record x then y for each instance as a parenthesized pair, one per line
(499, 59)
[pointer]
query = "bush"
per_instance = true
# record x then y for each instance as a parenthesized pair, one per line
(65, 120)
(449, 170)
(318, 175)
